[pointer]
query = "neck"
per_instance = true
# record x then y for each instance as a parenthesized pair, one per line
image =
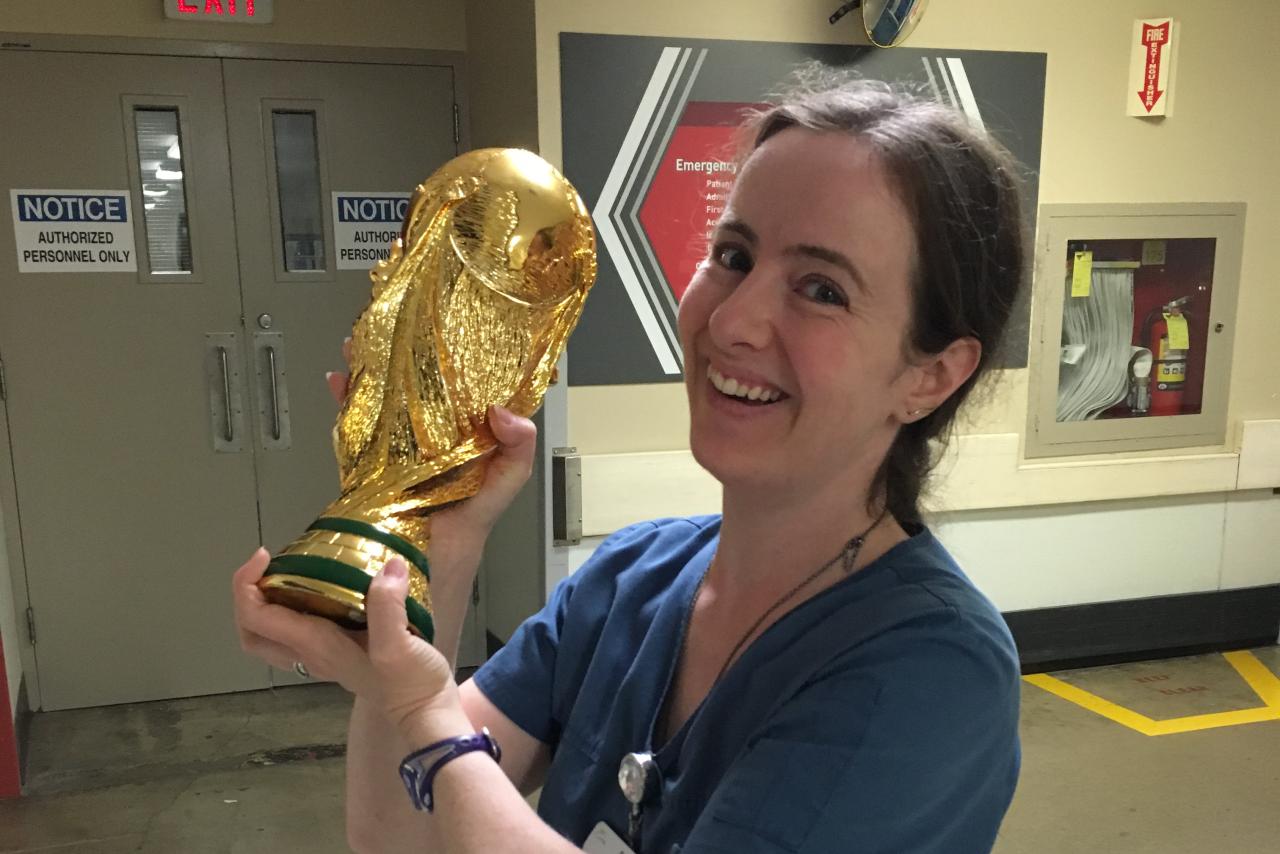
(769, 544)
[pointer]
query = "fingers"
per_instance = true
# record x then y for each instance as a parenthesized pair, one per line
(514, 432)
(251, 570)
(277, 655)
(256, 618)
(337, 382)
(514, 461)
(282, 637)
(384, 603)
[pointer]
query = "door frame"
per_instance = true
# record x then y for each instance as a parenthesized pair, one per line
(134, 46)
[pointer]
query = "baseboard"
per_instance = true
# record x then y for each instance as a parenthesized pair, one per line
(1136, 629)
(1132, 629)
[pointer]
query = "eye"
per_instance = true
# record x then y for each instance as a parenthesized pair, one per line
(731, 257)
(823, 291)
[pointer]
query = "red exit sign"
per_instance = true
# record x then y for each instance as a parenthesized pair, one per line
(237, 11)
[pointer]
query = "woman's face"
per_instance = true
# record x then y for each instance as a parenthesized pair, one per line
(804, 302)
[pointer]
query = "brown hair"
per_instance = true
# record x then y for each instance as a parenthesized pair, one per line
(961, 189)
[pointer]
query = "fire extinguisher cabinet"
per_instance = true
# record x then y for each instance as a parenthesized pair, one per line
(1136, 308)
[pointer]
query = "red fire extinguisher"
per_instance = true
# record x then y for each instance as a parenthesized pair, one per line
(1170, 375)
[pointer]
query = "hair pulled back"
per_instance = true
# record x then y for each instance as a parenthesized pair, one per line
(961, 189)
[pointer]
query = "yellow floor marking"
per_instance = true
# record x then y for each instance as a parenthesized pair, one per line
(1263, 682)
(1192, 723)
(1092, 702)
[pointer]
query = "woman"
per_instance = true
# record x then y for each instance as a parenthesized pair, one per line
(810, 670)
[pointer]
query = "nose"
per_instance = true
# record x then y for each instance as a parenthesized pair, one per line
(746, 317)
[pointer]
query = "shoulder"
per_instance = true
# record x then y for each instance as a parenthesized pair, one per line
(650, 553)
(936, 603)
(673, 533)
(921, 644)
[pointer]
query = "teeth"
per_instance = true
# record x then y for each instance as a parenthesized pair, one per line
(732, 387)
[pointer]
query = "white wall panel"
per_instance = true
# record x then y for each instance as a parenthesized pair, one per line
(1075, 554)
(1259, 454)
(1251, 546)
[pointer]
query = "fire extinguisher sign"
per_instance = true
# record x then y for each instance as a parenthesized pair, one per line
(1151, 59)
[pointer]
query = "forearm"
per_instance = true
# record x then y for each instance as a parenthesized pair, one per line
(379, 815)
(477, 810)
(452, 576)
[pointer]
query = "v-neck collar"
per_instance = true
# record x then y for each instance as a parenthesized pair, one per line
(688, 583)
(681, 605)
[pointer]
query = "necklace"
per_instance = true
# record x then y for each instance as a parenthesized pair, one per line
(846, 558)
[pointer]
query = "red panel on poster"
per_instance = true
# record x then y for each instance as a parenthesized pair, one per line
(689, 189)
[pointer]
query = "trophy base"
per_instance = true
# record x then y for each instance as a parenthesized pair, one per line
(311, 596)
(327, 571)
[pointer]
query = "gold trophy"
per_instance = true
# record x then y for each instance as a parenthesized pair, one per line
(473, 308)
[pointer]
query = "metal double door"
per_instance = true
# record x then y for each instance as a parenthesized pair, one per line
(163, 422)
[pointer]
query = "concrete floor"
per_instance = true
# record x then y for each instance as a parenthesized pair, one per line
(262, 772)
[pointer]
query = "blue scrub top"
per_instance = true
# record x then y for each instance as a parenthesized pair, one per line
(881, 715)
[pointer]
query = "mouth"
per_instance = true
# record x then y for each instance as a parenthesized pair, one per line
(744, 391)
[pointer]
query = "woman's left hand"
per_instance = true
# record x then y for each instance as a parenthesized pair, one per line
(416, 687)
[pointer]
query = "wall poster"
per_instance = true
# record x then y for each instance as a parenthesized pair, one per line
(649, 127)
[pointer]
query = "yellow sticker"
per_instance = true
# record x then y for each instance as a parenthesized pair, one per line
(1179, 337)
(1082, 273)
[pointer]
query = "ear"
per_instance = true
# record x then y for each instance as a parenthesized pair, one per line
(935, 377)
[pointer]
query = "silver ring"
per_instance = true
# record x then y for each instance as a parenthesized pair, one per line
(301, 669)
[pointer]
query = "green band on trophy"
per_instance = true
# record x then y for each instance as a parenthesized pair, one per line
(399, 545)
(336, 572)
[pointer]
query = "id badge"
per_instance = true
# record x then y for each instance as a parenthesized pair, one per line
(603, 840)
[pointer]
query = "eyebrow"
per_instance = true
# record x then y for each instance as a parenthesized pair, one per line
(830, 256)
(821, 253)
(741, 228)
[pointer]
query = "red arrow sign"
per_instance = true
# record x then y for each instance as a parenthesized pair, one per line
(1154, 39)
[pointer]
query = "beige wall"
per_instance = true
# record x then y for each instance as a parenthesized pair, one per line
(502, 67)
(427, 24)
(1219, 145)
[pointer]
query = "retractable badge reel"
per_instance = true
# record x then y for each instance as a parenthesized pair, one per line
(639, 779)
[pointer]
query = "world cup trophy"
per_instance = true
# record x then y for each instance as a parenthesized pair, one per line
(472, 309)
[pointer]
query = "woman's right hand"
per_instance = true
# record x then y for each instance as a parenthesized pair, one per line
(459, 532)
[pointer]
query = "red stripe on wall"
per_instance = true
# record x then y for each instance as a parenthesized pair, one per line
(10, 779)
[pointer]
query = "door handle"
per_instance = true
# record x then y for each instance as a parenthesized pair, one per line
(222, 373)
(271, 363)
(275, 394)
(229, 430)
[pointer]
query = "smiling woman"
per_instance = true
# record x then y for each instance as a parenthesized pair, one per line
(956, 193)
(810, 671)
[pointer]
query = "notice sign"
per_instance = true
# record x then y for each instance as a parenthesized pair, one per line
(365, 225)
(1151, 56)
(73, 231)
